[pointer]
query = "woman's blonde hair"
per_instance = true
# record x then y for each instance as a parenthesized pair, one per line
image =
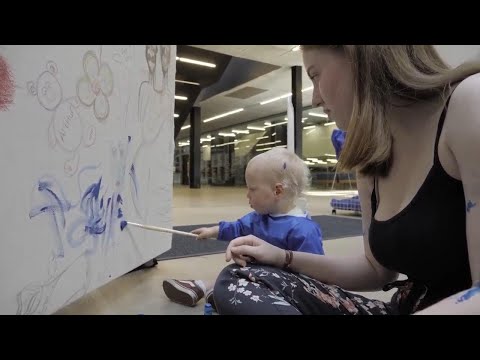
(381, 75)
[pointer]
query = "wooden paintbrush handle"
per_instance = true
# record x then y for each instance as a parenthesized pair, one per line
(156, 228)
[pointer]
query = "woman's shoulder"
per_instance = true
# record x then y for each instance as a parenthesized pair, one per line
(462, 122)
(466, 91)
(464, 99)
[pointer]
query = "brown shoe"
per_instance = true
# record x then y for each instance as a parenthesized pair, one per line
(184, 292)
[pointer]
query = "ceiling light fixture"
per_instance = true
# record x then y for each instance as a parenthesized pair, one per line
(282, 96)
(196, 62)
(277, 124)
(223, 115)
(275, 99)
(188, 82)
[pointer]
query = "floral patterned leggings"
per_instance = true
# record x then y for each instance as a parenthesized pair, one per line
(265, 290)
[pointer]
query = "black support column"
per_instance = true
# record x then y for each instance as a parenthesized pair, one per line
(195, 130)
(297, 108)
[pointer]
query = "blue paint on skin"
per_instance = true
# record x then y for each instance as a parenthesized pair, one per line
(470, 205)
(469, 294)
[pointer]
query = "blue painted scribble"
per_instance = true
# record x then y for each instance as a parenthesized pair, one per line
(123, 224)
(92, 209)
(129, 138)
(52, 201)
(57, 202)
(80, 173)
(469, 294)
(470, 205)
(133, 176)
(95, 221)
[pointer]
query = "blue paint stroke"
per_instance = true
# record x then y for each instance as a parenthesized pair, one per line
(123, 224)
(97, 220)
(81, 171)
(111, 211)
(94, 221)
(90, 205)
(134, 178)
(470, 205)
(469, 294)
(129, 138)
(55, 203)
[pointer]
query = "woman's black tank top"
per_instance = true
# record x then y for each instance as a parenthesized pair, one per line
(427, 240)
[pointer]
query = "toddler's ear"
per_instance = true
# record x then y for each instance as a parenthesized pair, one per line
(279, 189)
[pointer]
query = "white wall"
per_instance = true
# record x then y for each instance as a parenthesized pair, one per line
(456, 54)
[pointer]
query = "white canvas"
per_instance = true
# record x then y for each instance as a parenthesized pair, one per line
(86, 139)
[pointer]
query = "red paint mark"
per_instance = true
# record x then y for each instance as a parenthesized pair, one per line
(7, 88)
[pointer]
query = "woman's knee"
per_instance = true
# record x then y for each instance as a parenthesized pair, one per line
(220, 289)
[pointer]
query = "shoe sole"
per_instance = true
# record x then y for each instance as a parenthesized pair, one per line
(179, 294)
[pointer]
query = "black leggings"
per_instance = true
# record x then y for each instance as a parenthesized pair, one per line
(265, 290)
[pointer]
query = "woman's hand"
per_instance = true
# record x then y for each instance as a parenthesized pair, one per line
(247, 248)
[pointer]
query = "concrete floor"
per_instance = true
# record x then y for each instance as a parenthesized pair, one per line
(141, 292)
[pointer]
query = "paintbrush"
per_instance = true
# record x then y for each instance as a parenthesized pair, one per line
(124, 223)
